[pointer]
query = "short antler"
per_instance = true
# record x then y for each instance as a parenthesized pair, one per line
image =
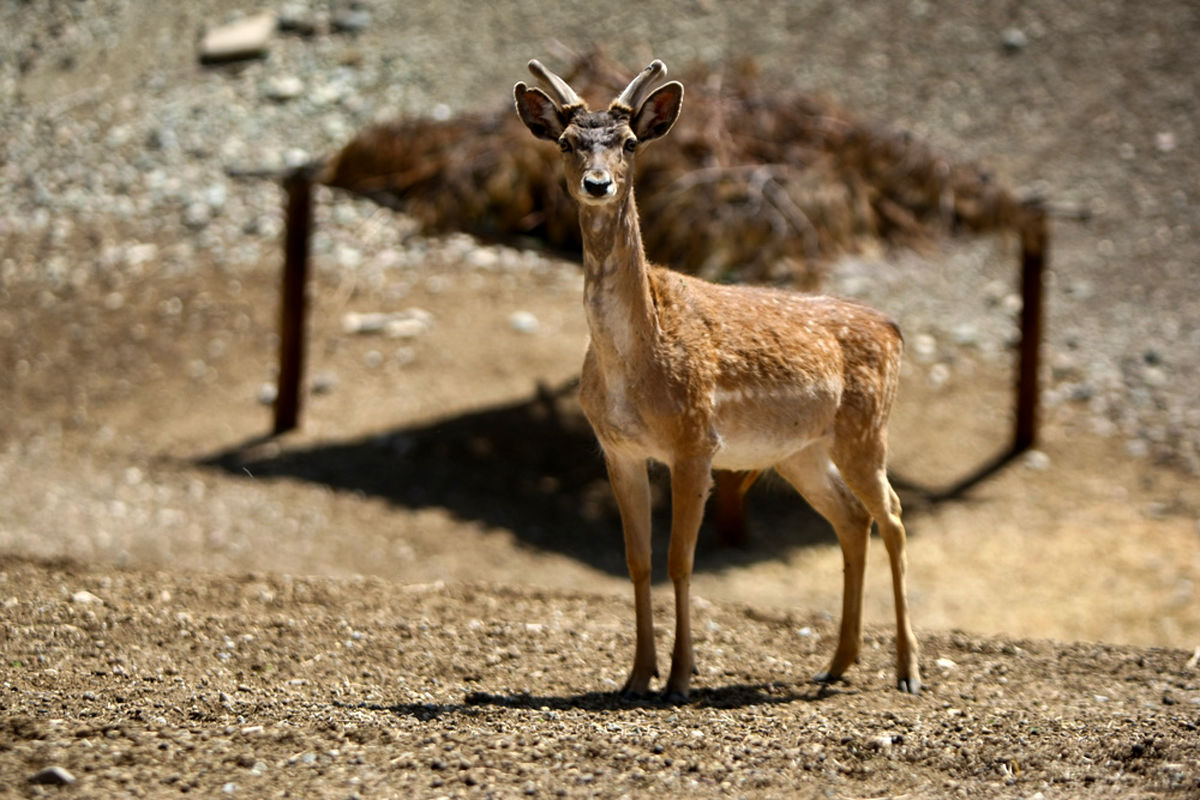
(637, 89)
(564, 95)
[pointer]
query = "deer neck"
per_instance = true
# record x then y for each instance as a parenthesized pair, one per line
(617, 298)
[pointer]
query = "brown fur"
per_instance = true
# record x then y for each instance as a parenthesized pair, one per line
(698, 375)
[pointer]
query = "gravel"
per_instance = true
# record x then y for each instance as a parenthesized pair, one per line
(282, 686)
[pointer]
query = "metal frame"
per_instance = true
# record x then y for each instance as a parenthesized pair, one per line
(1034, 234)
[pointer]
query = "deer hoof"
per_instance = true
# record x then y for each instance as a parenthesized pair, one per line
(909, 685)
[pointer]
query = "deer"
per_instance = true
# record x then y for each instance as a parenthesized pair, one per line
(701, 376)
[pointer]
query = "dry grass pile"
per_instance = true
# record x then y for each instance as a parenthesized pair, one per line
(758, 183)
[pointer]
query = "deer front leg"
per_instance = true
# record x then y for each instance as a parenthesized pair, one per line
(631, 486)
(690, 482)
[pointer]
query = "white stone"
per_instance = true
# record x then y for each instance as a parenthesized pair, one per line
(404, 328)
(282, 88)
(523, 322)
(1037, 460)
(247, 37)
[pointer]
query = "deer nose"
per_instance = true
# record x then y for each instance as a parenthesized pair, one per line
(598, 184)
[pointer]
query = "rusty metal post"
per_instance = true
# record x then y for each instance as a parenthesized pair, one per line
(1033, 266)
(730, 511)
(293, 299)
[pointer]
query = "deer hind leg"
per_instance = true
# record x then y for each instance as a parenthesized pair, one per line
(865, 471)
(813, 475)
(691, 480)
(631, 486)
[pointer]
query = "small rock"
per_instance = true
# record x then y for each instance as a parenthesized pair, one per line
(885, 741)
(966, 335)
(403, 325)
(295, 18)
(483, 258)
(324, 383)
(197, 215)
(1014, 40)
(1137, 448)
(245, 38)
(267, 394)
(349, 257)
(1037, 460)
(1155, 376)
(355, 322)
(523, 322)
(939, 374)
(404, 328)
(282, 88)
(351, 20)
(945, 663)
(296, 157)
(86, 598)
(925, 347)
(52, 776)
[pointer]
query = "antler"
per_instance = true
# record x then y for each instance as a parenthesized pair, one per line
(564, 95)
(636, 91)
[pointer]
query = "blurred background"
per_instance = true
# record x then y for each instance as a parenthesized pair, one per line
(141, 247)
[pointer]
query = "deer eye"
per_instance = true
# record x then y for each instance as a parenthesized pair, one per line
(564, 144)
(631, 144)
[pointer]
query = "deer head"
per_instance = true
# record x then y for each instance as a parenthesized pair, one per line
(599, 146)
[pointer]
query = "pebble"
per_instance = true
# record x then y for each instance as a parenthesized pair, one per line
(1014, 40)
(52, 776)
(523, 322)
(351, 20)
(1037, 460)
(400, 325)
(85, 598)
(323, 383)
(282, 88)
(939, 375)
(924, 346)
(242, 39)
(197, 215)
(404, 328)
(267, 394)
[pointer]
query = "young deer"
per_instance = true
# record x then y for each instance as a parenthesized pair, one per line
(701, 376)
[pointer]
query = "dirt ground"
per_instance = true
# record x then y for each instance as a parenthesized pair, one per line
(421, 593)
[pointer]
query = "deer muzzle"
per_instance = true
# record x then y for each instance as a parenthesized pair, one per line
(598, 184)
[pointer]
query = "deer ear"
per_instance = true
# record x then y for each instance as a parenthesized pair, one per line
(659, 112)
(540, 114)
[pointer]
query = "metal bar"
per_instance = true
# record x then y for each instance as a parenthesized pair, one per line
(1034, 244)
(729, 514)
(1034, 241)
(293, 300)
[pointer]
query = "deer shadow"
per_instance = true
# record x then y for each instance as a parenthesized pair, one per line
(732, 696)
(532, 467)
